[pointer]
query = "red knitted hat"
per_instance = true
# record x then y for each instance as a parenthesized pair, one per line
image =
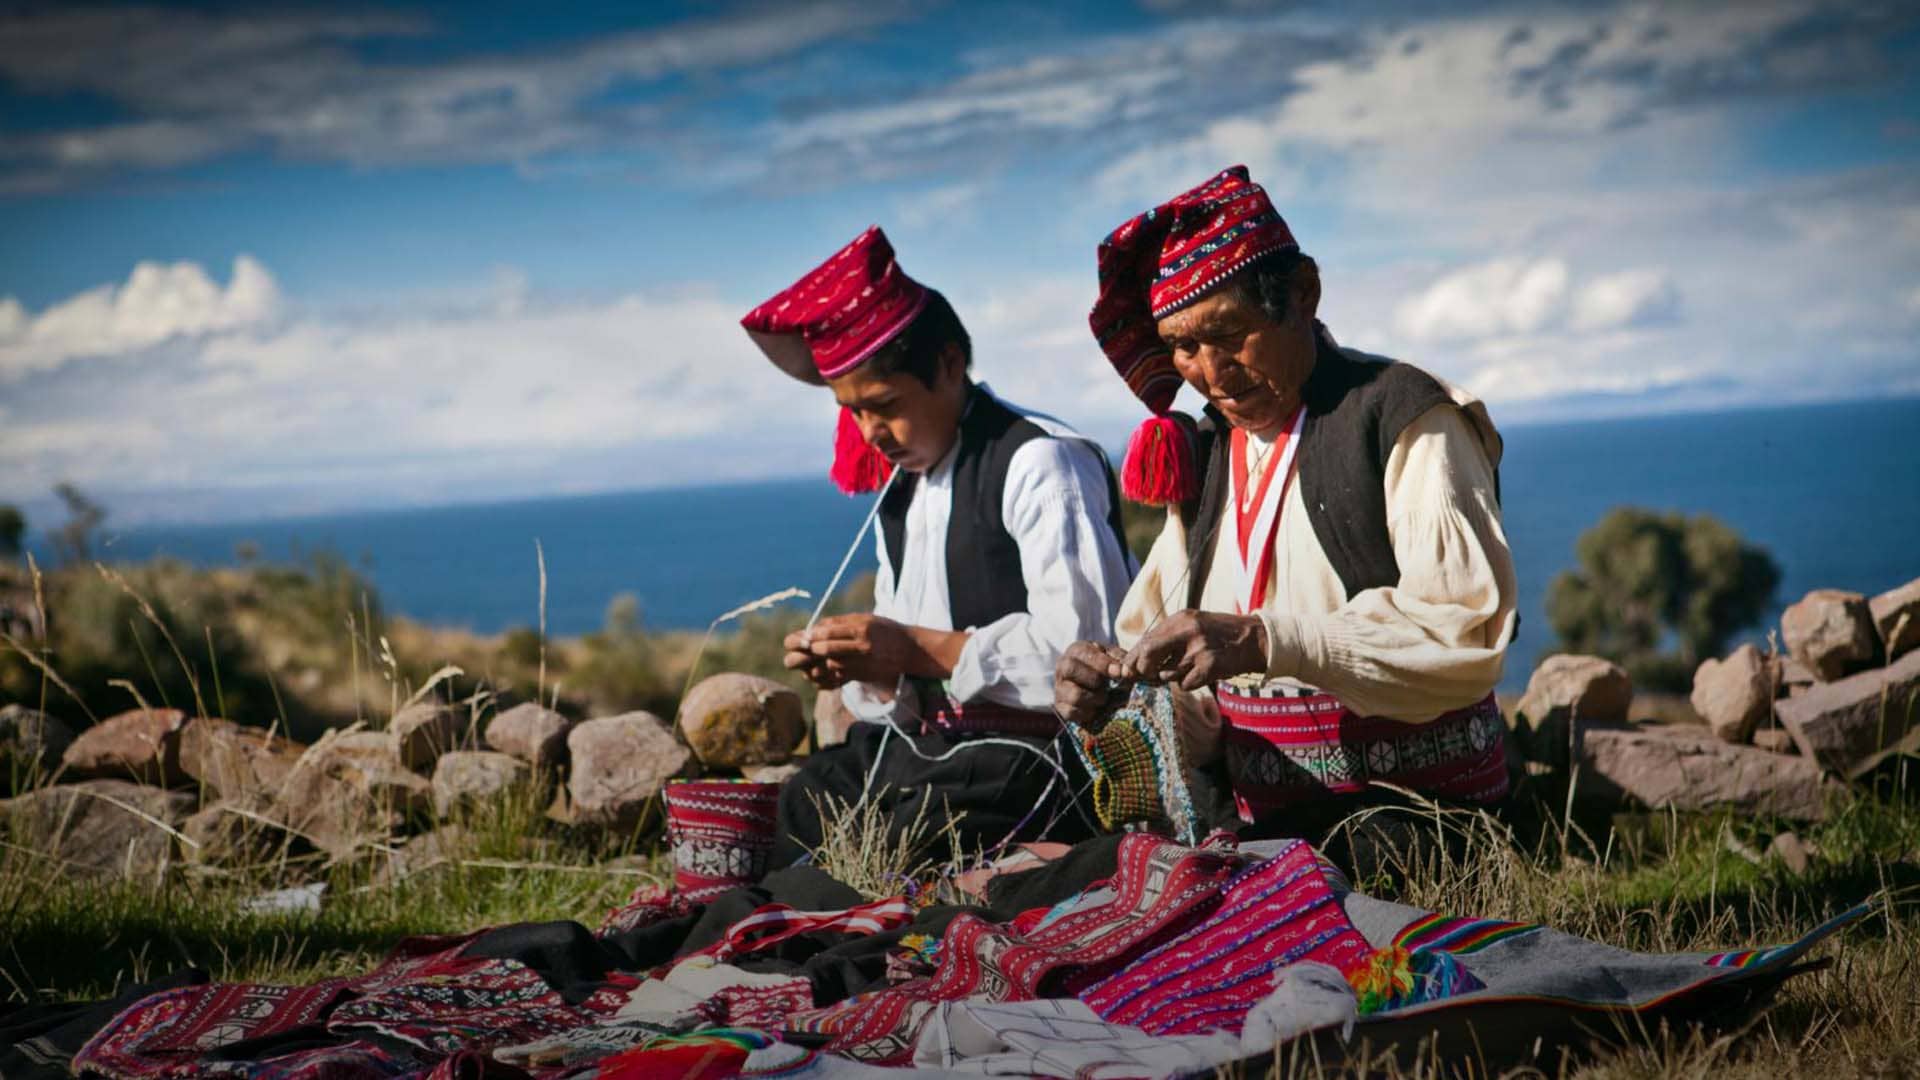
(1152, 266)
(834, 317)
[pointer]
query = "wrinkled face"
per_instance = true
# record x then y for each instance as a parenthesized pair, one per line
(1247, 365)
(912, 423)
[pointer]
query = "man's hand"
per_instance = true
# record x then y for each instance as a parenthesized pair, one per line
(1193, 649)
(868, 648)
(1083, 690)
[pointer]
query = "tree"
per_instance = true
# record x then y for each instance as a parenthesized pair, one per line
(73, 542)
(1658, 593)
(13, 530)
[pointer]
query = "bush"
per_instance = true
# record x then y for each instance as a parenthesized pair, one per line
(1659, 593)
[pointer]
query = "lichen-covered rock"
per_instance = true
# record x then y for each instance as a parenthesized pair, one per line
(532, 733)
(733, 720)
(1845, 725)
(770, 774)
(1569, 692)
(422, 732)
(236, 762)
(235, 834)
(31, 744)
(620, 764)
(1735, 694)
(142, 745)
(1831, 631)
(370, 762)
(464, 780)
(1685, 768)
(1775, 740)
(1896, 617)
(100, 828)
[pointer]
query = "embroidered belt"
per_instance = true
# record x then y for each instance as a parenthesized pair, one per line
(1284, 745)
(939, 712)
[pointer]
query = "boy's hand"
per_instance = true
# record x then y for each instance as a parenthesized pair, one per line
(871, 649)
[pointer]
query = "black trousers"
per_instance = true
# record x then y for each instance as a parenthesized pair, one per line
(990, 789)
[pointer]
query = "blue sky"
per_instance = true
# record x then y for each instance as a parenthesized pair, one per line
(269, 260)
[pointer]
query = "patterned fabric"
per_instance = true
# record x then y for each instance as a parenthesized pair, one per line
(1743, 958)
(646, 905)
(170, 1033)
(1457, 935)
(1139, 772)
(1158, 890)
(1284, 745)
(721, 1052)
(775, 923)
(1168, 257)
(1278, 913)
(939, 711)
(825, 324)
(1394, 978)
(721, 831)
(470, 1002)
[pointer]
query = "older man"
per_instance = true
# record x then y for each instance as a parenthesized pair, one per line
(1332, 594)
(999, 545)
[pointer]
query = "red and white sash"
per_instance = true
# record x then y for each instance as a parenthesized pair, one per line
(1255, 545)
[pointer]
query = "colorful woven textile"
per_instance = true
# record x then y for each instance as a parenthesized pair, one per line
(721, 831)
(1139, 772)
(1284, 745)
(940, 712)
(1457, 935)
(775, 923)
(1280, 912)
(1158, 890)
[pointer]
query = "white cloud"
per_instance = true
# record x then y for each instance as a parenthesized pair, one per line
(1503, 296)
(158, 301)
(523, 395)
(1630, 298)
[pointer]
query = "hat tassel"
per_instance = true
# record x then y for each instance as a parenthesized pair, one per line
(858, 469)
(1160, 469)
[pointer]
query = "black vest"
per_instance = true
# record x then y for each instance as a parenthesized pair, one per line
(1356, 410)
(984, 579)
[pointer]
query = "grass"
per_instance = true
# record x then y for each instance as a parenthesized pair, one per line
(1651, 883)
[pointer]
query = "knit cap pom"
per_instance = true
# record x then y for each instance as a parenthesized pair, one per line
(857, 467)
(1160, 469)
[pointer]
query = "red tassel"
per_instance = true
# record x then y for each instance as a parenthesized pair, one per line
(1159, 469)
(857, 467)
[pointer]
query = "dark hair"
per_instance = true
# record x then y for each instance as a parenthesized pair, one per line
(1268, 283)
(916, 351)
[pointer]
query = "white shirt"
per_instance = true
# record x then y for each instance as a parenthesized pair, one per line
(1055, 506)
(1432, 642)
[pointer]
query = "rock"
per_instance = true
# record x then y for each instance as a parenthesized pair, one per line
(142, 745)
(1896, 618)
(1569, 691)
(619, 765)
(426, 851)
(732, 720)
(90, 831)
(1687, 768)
(233, 834)
(830, 719)
(1843, 725)
(422, 732)
(236, 762)
(770, 774)
(370, 762)
(535, 735)
(1790, 676)
(1775, 740)
(31, 744)
(1831, 631)
(1735, 694)
(464, 780)
(333, 814)
(1788, 848)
